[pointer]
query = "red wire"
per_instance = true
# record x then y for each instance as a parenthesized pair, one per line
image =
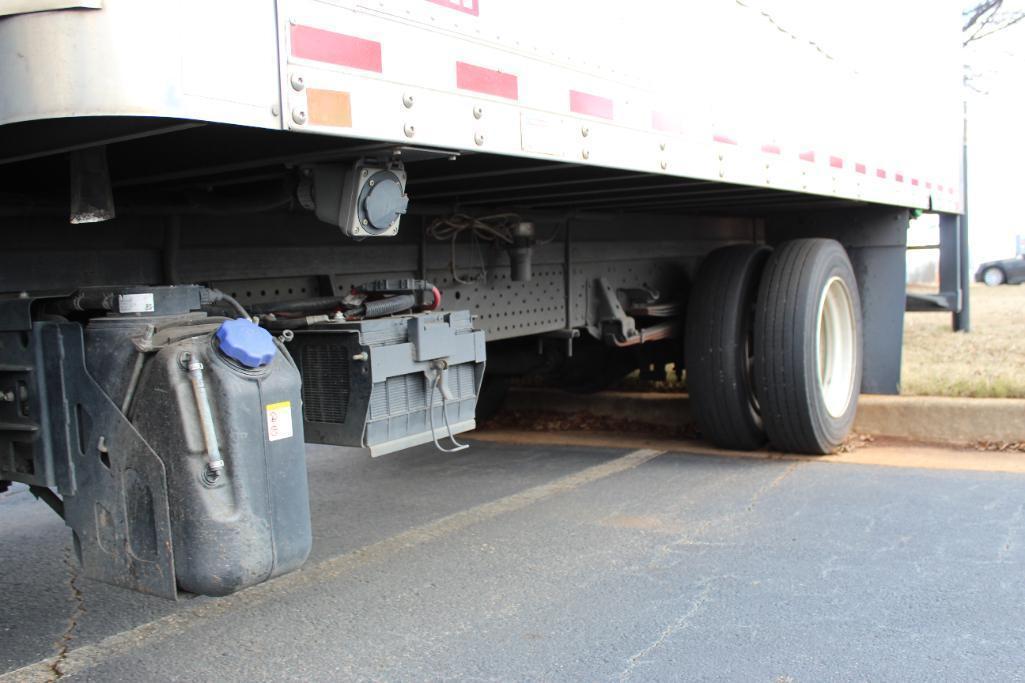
(437, 299)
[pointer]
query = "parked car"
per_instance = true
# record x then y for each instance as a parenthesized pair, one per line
(1009, 271)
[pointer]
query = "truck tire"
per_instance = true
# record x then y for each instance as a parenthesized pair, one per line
(808, 346)
(718, 346)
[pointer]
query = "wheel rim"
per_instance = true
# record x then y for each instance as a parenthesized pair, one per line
(836, 347)
(993, 277)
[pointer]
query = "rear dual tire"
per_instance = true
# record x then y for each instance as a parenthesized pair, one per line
(774, 348)
(719, 346)
(808, 350)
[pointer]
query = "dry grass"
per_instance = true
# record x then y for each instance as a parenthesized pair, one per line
(989, 361)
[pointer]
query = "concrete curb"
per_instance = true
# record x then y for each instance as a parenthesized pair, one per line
(921, 418)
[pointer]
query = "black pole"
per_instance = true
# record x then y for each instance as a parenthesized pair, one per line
(962, 318)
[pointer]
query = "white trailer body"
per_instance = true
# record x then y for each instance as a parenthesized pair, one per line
(859, 101)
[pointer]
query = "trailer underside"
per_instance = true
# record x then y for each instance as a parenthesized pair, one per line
(598, 287)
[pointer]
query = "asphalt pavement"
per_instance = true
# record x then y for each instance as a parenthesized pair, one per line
(521, 560)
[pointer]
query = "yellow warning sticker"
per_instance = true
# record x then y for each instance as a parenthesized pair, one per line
(279, 421)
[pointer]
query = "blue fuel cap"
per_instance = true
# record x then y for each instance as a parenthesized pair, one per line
(246, 342)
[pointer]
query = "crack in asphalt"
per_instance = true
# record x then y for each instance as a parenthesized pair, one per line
(63, 644)
(757, 496)
(681, 623)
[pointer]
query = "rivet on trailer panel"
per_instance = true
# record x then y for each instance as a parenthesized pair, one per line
(407, 100)
(298, 82)
(409, 129)
(478, 138)
(299, 115)
(478, 112)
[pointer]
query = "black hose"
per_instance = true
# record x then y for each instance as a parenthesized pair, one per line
(217, 295)
(298, 305)
(383, 307)
(286, 324)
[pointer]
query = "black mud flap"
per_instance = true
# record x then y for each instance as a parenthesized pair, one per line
(117, 503)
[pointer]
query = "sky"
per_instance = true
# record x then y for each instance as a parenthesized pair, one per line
(996, 142)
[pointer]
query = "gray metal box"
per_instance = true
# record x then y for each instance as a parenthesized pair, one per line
(367, 383)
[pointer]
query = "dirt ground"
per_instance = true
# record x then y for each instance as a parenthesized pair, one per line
(989, 361)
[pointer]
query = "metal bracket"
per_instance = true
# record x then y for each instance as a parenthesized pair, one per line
(617, 328)
(119, 510)
(614, 325)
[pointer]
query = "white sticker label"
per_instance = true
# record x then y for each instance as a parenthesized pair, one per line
(135, 303)
(543, 135)
(279, 421)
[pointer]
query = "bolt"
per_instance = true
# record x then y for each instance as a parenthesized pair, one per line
(409, 130)
(275, 110)
(364, 174)
(365, 222)
(298, 83)
(478, 138)
(371, 182)
(478, 112)
(586, 154)
(362, 355)
(585, 131)
(299, 116)
(662, 146)
(407, 101)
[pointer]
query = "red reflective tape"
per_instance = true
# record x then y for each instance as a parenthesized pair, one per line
(808, 156)
(899, 177)
(665, 122)
(488, 81)
(859, 168)
(771, 149)
(880, 173)
(335, 48)
(468, 6)
(592, 105)
(914, 181)
(724, 139)
(836, 162)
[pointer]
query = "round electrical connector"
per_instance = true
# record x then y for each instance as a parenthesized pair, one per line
(381, 202)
